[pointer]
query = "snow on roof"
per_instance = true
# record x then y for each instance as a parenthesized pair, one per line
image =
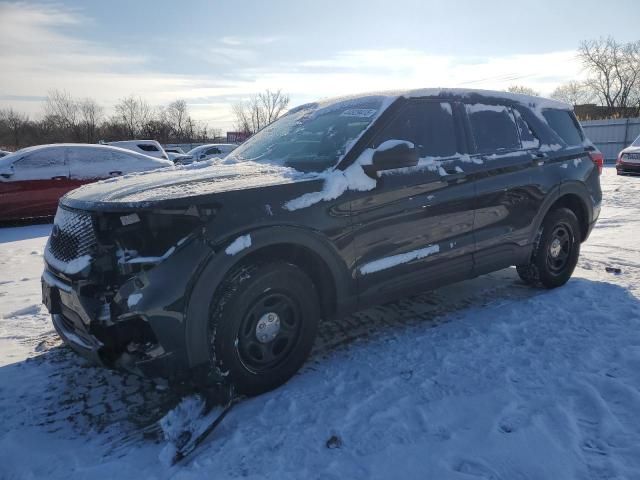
(9, 159)
(532, 101)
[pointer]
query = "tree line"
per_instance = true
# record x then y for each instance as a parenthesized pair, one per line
(69, 119)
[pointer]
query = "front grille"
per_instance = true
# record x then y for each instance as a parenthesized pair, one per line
(72, 235)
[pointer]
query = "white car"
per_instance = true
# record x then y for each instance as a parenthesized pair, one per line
(146, 147)
(177, 155)
(34, 178)
(211, 150)
(628, 162)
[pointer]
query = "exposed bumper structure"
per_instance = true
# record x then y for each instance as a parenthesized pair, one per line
(628, 168)
(121, 315)
(129, 342)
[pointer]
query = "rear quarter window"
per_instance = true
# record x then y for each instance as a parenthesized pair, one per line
(565, 125)
(494, 128)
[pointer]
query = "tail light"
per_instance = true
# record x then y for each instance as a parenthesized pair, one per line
(598, 159)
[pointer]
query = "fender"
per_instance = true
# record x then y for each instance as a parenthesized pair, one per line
(220, 263)
(558, 191)
(579, 189)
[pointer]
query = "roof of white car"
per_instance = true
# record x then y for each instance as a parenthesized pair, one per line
(8, 159)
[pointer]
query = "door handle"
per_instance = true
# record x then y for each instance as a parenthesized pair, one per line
(453, 176)
(59, 177)
(539, 158)
(115, 173)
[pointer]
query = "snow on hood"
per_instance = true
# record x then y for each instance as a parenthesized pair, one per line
(186, 181)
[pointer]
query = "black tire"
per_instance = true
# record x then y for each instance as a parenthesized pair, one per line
(556, 252)
(264, 320)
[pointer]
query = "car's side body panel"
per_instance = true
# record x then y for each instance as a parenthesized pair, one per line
(415, 228)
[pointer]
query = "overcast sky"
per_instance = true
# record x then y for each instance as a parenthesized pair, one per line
(214, 53)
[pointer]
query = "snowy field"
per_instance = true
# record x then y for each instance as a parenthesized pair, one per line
(488, 379)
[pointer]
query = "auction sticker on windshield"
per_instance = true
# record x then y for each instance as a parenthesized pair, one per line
(359, 112)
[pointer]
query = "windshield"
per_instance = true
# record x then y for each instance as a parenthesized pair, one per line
(636, 142)
(312, 137)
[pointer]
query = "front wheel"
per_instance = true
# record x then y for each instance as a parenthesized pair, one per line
(263, 323)
(556, 253)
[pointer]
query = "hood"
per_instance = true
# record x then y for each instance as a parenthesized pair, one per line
(631, 150)
(188, 181)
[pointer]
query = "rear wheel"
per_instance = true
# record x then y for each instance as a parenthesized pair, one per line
(556, 253)
(263, 324)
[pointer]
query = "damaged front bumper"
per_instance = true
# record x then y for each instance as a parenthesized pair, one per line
(137, 323)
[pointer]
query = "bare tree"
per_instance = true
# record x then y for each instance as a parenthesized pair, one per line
(523, 89)
(177, 115)
(574, 93)
(15, 122)
(614, 71)
(63, 111)
(133, 113)
(90, 115)
(240, 112)
(260, 110)
(272, 104)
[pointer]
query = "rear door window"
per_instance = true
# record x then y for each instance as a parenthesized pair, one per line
(565, 125)
(428, 125)
(494, 128)
(213, 151)
(88, 162)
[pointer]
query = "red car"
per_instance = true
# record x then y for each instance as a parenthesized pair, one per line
(34, 178)
(628, 162)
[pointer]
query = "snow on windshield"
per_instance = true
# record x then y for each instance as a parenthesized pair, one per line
(315, 136)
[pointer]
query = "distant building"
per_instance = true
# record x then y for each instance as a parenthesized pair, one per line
(237, 137)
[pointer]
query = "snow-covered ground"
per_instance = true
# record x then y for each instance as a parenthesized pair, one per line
(484, 379)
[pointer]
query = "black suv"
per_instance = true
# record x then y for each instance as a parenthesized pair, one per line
(223, 269)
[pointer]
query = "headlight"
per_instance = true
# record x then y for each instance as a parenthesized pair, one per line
(149, 234)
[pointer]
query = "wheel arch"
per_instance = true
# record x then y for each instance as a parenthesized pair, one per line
(306, 249)
(574, 203)
(573, 196)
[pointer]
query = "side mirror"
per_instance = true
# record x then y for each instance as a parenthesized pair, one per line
(392, 154)
(203, 156)
(8, 173)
